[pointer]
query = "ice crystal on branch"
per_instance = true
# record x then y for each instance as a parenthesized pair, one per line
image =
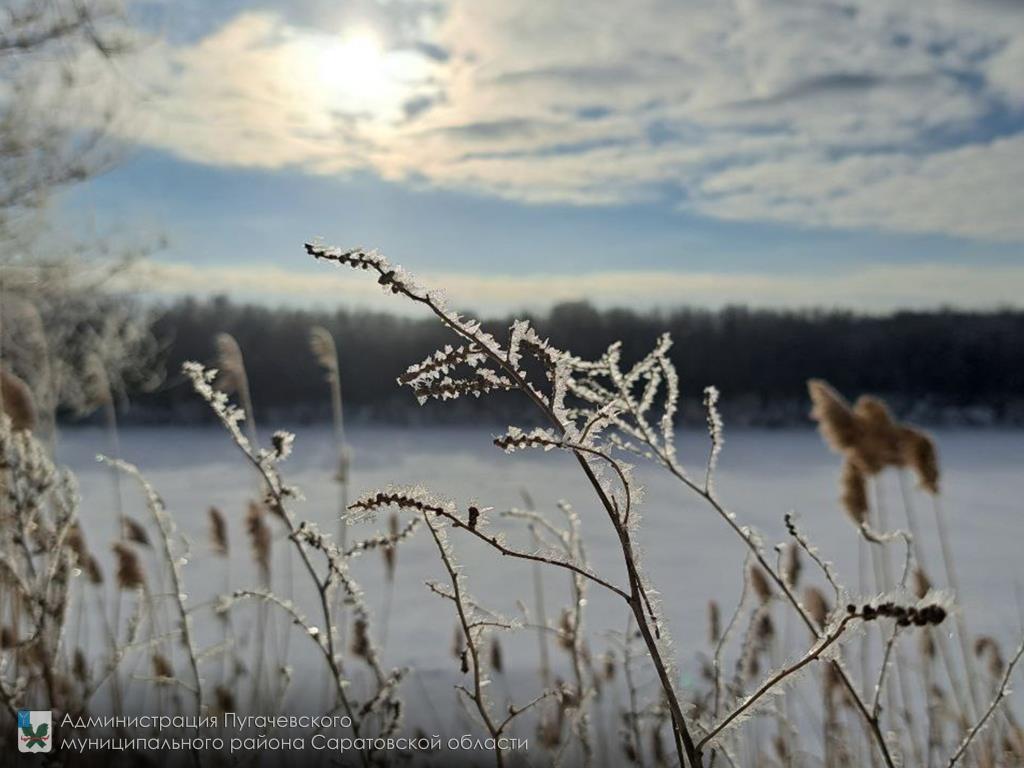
(714, 420)
(436, 366)
(516, 439)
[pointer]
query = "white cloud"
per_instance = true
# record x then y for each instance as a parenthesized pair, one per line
(966, 191)
(873, 288)
(863, 114)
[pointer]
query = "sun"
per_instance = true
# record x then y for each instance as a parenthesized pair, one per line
(358, 73)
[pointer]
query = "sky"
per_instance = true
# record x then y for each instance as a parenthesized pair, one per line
(867, 155)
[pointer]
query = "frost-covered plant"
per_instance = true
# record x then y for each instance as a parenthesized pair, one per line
(600, 413)
(333, 575)
(175, 553)
(475, 624)
(46, 570)
(569, 630)
(38, 561)
(480, 364)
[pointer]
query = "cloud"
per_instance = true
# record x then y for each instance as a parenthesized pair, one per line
(965, 191)
(872, 289)
(869, 114)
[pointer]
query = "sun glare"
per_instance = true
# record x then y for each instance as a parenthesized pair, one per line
(358, 73)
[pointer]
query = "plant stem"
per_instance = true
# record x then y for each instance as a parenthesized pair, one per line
(1001, 693)
(815, 653)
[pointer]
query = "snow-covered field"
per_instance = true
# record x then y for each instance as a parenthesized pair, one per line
(688, 552)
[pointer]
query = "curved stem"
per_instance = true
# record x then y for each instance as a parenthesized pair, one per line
(476, 695)
(778, 677)
(671, 466)
(1000, 695)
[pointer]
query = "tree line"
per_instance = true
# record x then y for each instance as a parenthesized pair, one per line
(937, 365)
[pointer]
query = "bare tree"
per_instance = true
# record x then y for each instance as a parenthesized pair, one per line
(59, 329)
(43, 146)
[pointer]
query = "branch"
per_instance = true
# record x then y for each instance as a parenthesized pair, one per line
(1003, 692)
(405, 502)
(779, 676)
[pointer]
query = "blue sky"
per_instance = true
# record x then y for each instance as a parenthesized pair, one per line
(867, 155)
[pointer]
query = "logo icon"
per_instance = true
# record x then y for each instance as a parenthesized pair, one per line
(34, 730)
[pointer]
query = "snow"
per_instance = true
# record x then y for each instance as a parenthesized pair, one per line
(689, 554)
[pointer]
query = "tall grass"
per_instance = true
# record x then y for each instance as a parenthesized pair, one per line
(886, 689)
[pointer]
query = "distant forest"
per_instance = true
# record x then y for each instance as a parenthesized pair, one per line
(942, 366)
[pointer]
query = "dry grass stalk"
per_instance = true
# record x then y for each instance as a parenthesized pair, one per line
(90, 565)
(80, 666)
(16, 401)
(165, 526)
(922, 584)
(259, 538)
(92, 570)
(134, 532)
(321, 341)
(759, 583)
(609, 668)
(871, 441)
(792, 565)
(218, 532)
(234, 379)
(224, 699)
(162, 668)
(383, 706)
(920, 455)
(130, 575)
(714, 623)
(473, 626)
(817, 605)
(390, 550)
(834, 416)
(1002, 690)
(360, 644)
(458, 644)
(926, 615)
(497, 660)
(926, 645)
(868, 436)
(987, 648)
(878, 444)
(854, 493)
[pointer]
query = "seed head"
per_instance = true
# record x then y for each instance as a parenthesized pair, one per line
(986, 647)
(80, 666)
(918, 452)
(714, 623)
(134, 532)
(129, 570)
(259, 537)
(218, 532)
(360, 647)
(162, 667)
(497, 663)
(922, 584)
(817, 605)
(760, 584)
(854, 495)
(609, 666)
(834, 416)
(791, 565)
